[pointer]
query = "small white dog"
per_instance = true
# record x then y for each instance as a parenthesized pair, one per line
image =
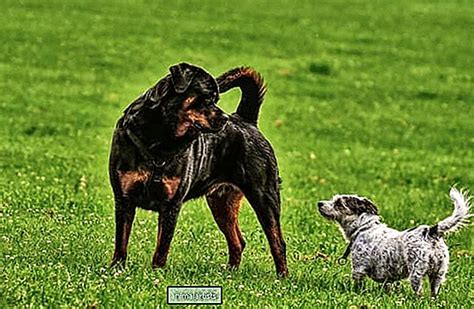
(388, 255)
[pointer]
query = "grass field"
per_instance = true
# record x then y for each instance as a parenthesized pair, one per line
(367, 97)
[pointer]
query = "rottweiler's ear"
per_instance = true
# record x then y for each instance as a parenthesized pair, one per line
(182, 75)
(369, 206)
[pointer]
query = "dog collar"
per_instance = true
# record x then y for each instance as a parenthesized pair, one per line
(343, 259)
(143, 149)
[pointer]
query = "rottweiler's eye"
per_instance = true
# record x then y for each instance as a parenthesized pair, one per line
(200, 101)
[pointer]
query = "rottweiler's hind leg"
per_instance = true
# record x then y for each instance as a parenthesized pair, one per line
(266, 204)
(224, 200)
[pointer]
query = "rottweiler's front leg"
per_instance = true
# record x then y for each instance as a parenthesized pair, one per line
(167, 219)
(124, 215)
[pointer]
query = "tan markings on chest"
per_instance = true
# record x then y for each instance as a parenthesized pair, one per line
(171, 185)
(131, 178)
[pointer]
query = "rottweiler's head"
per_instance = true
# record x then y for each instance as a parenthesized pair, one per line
(189, 106)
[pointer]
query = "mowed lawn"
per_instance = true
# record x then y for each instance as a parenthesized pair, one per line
(368, 97)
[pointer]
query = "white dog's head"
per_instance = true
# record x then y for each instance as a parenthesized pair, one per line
(346, 209)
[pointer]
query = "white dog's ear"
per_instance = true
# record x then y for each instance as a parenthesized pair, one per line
(369, 207)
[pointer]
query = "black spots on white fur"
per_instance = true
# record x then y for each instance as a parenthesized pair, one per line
(360, 205)
(433, 231)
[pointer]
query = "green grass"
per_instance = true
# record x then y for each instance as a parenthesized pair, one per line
(367, 97)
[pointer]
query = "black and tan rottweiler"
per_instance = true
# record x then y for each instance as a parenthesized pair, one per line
(174, 144)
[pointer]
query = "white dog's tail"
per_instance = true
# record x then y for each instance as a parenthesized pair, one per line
(459, 216)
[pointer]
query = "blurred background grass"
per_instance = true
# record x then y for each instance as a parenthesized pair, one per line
(367, 97)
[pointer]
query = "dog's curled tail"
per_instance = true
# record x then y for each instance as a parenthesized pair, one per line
(253, 90)
(459, 217)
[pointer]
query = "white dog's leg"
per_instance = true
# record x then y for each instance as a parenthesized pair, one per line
(358, 277)
(436, 279)
(416, 280)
